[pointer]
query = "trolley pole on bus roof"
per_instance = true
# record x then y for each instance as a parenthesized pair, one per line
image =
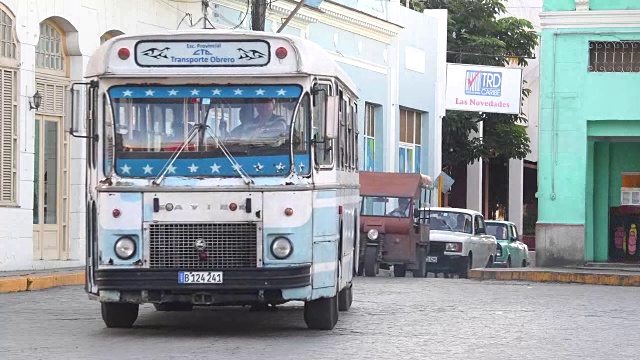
(258, 14)
(293, 13)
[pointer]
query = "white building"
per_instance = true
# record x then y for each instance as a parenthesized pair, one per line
(45, 46)
(529, 10)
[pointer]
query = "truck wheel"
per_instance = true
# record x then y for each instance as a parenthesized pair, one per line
(465, 266)
(119, 315)
(321, 314)
(399, 270)
(421, 258)
(370, 261)
(345, 298)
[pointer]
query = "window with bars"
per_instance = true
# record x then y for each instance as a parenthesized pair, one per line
(8, 110)
(50, 49)
(369, 137)
(410, 141)
(614, 56)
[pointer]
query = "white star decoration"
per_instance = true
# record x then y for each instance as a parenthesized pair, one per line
(301, 166)
(258, 167)
(172, 169)
(279, 167)
(125, 169)
(193, 168)
(173, 92)
(147, 169)
(149, 92)
(237, 92)
(237, 167)
(215, 168)
(282, 92)
(127, 93)
(259, 92)
(216, 92)
(195, 92)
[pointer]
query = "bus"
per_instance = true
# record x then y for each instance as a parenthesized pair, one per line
(221, 171)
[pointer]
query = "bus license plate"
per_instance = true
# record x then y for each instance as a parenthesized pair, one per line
(199, 277)
(432, 259)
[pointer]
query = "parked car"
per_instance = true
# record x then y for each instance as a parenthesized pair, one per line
(511, 251)
(458, 241)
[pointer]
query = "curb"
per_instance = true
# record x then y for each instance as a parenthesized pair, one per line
(558, 277)
(30, 283)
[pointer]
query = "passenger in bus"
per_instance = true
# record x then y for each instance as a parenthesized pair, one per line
(246, 122)
(266, 124)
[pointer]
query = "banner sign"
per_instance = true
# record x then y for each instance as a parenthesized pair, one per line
(490, 89)
(202, 53)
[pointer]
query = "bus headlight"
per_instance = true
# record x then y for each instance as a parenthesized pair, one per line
(281, 248)
(125, 248)
(372, 234)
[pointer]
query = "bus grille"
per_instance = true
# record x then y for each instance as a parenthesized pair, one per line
(173, 246)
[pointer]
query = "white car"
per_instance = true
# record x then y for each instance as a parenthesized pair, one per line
(458, 241)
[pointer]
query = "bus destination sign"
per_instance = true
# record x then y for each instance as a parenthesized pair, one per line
(202, 53)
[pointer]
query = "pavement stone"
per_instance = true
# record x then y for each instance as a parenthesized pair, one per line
(391, 318)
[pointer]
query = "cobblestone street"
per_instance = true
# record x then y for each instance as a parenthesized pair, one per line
(391, 318)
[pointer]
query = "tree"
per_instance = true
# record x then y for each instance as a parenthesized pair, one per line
(477, 36)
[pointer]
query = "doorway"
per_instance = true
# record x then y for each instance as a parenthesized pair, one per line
(49, 195)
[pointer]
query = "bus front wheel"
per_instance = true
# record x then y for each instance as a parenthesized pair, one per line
(321, 314)
(371, 261)
(119, 315)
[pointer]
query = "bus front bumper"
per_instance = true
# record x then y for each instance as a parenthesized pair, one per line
(239, 286)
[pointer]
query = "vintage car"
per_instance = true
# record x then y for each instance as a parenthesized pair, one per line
(511, 252)
(391, 234)
(458, 241)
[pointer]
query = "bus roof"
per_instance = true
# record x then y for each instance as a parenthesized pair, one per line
(304, 57)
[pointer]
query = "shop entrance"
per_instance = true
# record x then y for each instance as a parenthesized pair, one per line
(613, 207)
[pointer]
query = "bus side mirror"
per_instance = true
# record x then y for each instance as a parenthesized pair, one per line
(83, 106)
(332, 118)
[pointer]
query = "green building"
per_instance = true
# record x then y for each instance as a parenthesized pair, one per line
(589, 132)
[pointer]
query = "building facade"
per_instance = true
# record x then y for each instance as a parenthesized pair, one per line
(589, 132)
(45, 46)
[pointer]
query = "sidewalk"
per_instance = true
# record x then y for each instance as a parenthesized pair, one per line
(28, 280)
(582, 275)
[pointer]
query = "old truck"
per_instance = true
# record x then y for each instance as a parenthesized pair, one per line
(391, 231)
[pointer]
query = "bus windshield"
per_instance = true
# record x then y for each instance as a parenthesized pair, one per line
(254, 123)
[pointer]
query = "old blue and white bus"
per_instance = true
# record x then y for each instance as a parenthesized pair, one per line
(221, 170)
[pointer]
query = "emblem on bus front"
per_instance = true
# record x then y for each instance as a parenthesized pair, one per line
(200, 245)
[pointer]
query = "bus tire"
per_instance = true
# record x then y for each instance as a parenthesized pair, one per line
(399, 270)
(345, 298)
(119, 315)
(321, 314)
(370, 261)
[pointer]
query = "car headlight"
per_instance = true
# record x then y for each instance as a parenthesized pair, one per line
(499, 252)
(281, 248)
(372, 234)
(125, 248)
(453, 247)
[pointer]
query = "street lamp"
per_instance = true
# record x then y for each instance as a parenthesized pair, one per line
(37, 101)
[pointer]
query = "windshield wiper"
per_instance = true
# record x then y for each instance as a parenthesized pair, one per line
(234, 164)
(194, 130)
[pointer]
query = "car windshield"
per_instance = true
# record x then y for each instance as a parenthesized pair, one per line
(497, 230)
(386, 206)
(254, 123)
(448, 221)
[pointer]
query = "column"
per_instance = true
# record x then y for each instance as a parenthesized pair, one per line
(474, 179)
(516, 189)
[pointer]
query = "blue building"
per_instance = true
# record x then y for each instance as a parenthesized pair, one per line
(395, 55)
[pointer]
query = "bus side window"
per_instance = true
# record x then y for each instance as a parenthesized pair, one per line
(300, 132)
(323, 147)
(342, 133)
(349, 134)
(355, 137)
